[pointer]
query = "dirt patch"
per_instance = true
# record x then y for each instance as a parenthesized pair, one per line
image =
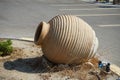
(28, 63)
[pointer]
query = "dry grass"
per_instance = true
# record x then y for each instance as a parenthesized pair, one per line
(80, 72)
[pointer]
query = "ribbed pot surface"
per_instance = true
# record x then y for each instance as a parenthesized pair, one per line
(68, 40)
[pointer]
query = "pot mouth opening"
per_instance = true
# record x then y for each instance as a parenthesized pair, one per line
(38, 33)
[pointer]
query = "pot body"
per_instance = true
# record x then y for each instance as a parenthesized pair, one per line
(66, 39)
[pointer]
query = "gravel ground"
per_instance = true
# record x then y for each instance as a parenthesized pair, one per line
(28, 63)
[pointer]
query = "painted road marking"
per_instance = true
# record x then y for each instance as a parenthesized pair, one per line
(97, 15)
(110, 25)
(87, 9)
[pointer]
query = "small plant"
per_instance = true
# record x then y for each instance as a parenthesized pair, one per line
(6, 47)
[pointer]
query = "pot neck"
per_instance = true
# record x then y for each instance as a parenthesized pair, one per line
(41, 32)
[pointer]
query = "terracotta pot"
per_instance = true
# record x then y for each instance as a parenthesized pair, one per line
(66, 39)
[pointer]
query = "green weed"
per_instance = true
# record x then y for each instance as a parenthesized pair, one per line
(6, 47)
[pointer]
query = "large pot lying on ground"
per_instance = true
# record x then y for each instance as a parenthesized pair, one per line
(66, 39)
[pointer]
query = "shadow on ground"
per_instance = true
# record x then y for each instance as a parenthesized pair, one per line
(104, 6)
(29, 65)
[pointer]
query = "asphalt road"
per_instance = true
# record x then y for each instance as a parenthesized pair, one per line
(19, 18)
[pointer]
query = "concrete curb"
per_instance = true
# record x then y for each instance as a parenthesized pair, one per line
(21, 39)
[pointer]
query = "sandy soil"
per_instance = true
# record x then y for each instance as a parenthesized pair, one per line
(28, 63)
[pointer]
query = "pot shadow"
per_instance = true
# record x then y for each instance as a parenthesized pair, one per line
(30, 65)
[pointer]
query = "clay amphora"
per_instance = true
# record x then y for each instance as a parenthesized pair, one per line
(66, 39)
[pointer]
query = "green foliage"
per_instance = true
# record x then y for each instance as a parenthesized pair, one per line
(5, 47)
